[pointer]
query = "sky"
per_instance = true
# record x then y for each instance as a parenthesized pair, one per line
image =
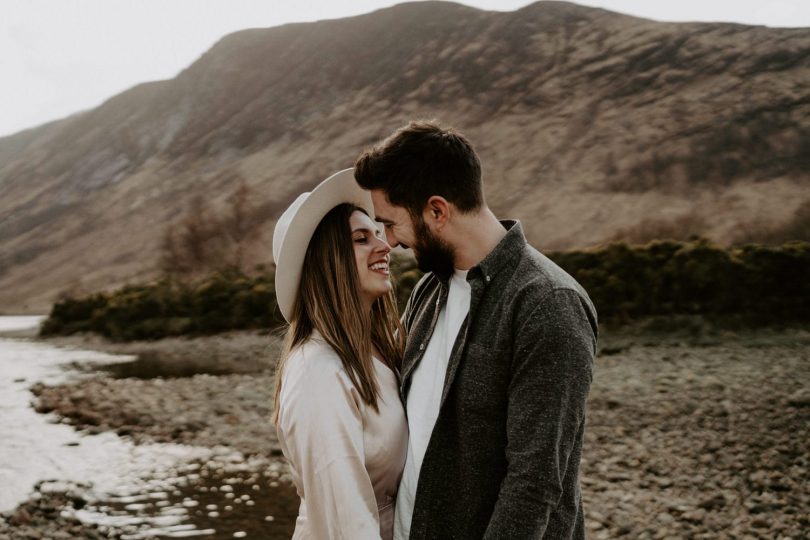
(58, 57)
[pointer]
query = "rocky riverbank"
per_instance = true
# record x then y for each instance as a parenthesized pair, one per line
(703, 443)
(40, 518)
(684, 440)
(205, 392)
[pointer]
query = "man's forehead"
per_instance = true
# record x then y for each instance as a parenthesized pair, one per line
(384, 211)
(379, 196)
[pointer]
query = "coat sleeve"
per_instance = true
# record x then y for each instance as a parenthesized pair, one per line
(322, 427)
(550, 380)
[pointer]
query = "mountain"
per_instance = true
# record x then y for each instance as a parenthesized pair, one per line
(591, 126)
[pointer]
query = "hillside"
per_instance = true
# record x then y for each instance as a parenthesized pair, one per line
(591, 126)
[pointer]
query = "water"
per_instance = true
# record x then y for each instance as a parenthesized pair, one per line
(20, 322)
(148, 490)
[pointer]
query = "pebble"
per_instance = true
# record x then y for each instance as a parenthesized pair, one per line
(800, 398)
(680, 442)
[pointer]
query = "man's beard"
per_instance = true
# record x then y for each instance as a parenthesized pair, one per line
(432, 253)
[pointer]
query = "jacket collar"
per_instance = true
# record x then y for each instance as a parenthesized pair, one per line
(504, 254)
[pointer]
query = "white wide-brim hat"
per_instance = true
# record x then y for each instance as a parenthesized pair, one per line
(296, 225)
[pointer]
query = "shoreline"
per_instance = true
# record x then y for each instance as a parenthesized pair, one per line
(205, 391)
(703, 440)
(213, 392)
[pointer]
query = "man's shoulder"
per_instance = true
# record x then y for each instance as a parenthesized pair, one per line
(543, 289)
(537, 276)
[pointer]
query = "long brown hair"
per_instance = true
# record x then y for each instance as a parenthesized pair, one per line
(328, 301)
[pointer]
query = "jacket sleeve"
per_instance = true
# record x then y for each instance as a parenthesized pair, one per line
(551, 376)
(322, 427)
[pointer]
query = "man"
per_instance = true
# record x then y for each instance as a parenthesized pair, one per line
(499, 357)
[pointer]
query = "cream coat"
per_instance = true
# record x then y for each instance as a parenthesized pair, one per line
(346, 459)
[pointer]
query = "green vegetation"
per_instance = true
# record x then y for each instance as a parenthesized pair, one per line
(751, 284)
(757, 284)
(227, 300)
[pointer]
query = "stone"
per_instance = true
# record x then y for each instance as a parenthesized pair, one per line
(800, 398)
(713, 503)
(20, 517)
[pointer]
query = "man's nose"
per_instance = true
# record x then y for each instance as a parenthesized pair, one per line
(390, 239)
(382, 245)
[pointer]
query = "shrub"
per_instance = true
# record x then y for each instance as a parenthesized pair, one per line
(765, 284)
(762, 284)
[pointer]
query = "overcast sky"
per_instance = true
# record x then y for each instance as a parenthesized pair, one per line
(62, 56)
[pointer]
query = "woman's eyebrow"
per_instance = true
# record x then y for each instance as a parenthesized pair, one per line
(375, 231)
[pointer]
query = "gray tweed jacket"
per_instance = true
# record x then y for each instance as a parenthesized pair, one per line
(503, 458)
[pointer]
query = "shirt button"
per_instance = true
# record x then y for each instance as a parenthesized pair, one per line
(486, 278)
(421, 346)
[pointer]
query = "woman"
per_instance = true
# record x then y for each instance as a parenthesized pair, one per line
(338, 415)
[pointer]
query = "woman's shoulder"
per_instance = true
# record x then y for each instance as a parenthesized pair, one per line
(313, 380)
(314, 359)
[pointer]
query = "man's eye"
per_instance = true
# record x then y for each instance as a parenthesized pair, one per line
(389, 225)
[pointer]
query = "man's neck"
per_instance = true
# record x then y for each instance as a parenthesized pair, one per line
(475, 236)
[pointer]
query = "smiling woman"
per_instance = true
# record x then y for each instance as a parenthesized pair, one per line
(339, 418)
(372, 255)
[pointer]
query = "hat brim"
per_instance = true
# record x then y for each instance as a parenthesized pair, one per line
(289, 255)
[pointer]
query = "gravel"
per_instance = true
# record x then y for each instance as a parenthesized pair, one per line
(682, 441)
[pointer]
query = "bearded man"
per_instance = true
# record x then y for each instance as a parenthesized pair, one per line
(499, 355)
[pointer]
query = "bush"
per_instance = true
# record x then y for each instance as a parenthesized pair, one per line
(227, 300)
(764, 284)
(69, 315)
(663, 278)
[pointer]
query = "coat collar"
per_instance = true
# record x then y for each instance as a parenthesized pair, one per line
(504, 254)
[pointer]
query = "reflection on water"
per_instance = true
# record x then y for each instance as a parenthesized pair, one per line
(222, 497)
(146, 491)
(34, 447)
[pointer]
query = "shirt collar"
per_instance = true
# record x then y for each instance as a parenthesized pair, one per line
(503, 255)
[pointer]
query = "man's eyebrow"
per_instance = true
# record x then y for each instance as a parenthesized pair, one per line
(383, 220)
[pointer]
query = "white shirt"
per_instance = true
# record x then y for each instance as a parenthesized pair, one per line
(425, 394)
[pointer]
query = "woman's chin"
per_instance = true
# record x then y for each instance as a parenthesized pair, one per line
(384, 291)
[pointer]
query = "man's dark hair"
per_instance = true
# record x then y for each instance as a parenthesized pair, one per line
(421, 160)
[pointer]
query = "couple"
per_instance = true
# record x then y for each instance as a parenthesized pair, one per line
(492, 357)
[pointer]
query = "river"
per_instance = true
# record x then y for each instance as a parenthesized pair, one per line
(145, 490)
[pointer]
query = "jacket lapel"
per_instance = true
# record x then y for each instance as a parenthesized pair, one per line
(461, 340)
(419, 334)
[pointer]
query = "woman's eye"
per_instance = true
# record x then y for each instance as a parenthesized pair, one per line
(360, 239)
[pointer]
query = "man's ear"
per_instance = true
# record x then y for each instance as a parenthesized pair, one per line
(437, 211)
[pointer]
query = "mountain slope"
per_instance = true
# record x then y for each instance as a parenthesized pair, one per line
(591, 126)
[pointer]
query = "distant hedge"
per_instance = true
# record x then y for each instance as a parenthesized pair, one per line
(758, 283)
(761, 284)
(227, 300)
